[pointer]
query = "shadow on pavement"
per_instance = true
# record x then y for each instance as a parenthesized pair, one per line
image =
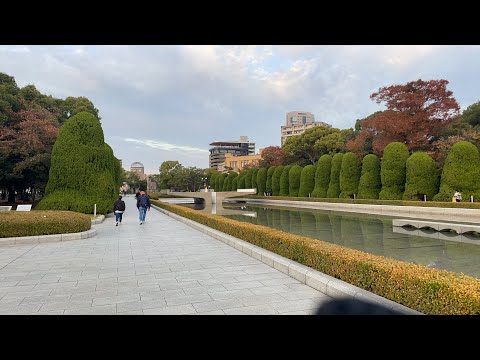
(353, 307)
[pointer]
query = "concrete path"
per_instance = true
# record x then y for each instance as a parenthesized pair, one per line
(160, 267)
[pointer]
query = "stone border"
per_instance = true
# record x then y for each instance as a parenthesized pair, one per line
(98, 220)
(324, 283)
(40, 239)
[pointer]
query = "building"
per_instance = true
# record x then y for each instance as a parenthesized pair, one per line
(138, 168)
(297, 123)
(237, 163)
(220, 148)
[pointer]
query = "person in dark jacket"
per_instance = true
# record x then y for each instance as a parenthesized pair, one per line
(119, 209)
(143, 203)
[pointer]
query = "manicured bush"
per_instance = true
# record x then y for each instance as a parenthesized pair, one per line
(221, 179)
(235, 184)
(334, 185)
(420, 288)
(461, 172)
(307, 181)
(349, 175)
(248, 179)
(213, 180)
(241, 180)
(284, 186)
(393, 171)
(268, 186)
(421, 178)
(294, 180)
(82, 169)
(370, 181)
(31, 223)
(229, 179)
(254, 179)
(261, 180)
(322, 176)
(276, 180)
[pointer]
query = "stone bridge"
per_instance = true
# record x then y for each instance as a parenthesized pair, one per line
(212, 197)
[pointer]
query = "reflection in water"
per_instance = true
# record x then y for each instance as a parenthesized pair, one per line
(373, 234)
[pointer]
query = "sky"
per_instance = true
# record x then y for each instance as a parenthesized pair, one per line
(169, 102)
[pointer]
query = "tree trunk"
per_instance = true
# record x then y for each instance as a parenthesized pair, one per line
(11, 196)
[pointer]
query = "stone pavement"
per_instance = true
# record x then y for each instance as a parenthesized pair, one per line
(160, 267)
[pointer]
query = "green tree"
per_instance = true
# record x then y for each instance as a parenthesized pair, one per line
(294, 180)
(393, 171)
(307, 180)
(322, 176)
(349, 175)
(235, 183)
(284, 185)
(421, 177)
(268, 186)
(254, 179)
(370, 180)
(460, 172)
(167, 171)
(229, 182)
(248, 179)
(241, 179)
(221, 180)
(261, 180)
(471, 115)
(81, 172)
(334, 185)
(276, 180)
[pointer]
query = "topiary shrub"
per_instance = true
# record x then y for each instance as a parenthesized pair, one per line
(213, 181)
(334, 185)
(221, 181)
(284, 186)
(461, 172)
(294, 180)
(241, 179)
(349, 175)
(82, 171)
(261, 180)
(248, 179)
(268, 186)
(322, 176)
(254, 179)
(421, 177)
(276, 180)
(370, 181)
(227, 184)
(307, 181)
(393, 171)
(235, 183)
(230, 178)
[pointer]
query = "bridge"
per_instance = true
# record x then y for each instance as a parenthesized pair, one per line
(212, 197)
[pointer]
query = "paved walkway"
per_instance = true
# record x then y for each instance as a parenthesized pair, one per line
(160, 267)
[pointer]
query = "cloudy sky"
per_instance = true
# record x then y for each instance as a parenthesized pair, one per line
(170, 102)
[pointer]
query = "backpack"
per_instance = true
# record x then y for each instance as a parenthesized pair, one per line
(143, 201)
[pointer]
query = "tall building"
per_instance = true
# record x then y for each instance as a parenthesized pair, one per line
(220, 148)
(297, 123)
(138, 168)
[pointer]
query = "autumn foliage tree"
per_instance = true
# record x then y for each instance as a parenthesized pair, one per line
(272, 156)
(416, 113)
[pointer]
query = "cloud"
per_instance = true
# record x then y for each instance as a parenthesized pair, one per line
(167, 147)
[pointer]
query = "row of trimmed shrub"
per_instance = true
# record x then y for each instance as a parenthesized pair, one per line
(397, 176)
(31, 223)
(418, 287)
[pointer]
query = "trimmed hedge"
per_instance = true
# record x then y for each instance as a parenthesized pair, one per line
(370, 181)
(284, 186)
(213, 181)
(461, 172)
(230, 178)
(424, 289)
(221, 181)
(82, 172)
(261, 180)
(248, 179)
(322, 176)
(334, 185)
(276, 180)
(268, 185)
(241, 180)
(227, 184)
(307, 180)
(235, 184)
(294, 180)
(393, 171)
(349, 175)
(421, 178)
(254, 179)
(48, 222)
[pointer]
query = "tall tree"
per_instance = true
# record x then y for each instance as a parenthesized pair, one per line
(416, 113)
(167, 171)
(272, 156)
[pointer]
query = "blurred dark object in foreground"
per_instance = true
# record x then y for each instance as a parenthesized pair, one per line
(353, 307)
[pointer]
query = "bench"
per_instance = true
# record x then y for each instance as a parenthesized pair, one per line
(24, 207)
(5, 208)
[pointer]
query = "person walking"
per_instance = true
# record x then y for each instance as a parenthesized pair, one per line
(119, 209)
(143, 203)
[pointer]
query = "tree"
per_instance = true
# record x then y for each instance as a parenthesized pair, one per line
(167, 171)
(349, 175)
(272, 156)
(460, 172)
(74, 105)
(268, 185)
(228, 184)
(276, 180)
(254, 179)
(421, 178)
(248, 179)
(308, 147)
(241, 180)
(294, 180)
(370, 181)
(416, 113)
(284, 186)
(81, 172)
(393, 171)
(322, 176)
(307, 181)
(235, 183)
(334, 185)
(471, 115)
(220, 181)
(261, 180)
(361, 142)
